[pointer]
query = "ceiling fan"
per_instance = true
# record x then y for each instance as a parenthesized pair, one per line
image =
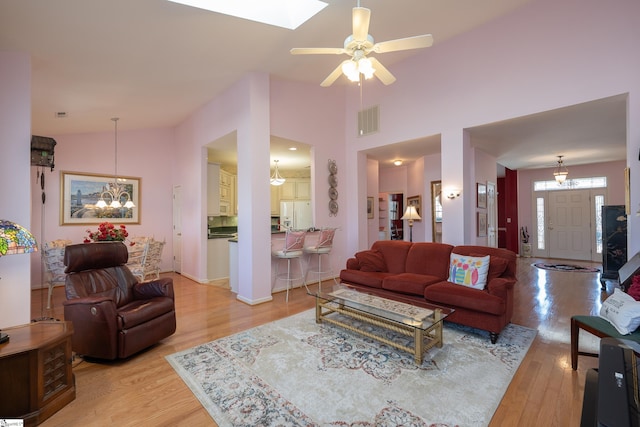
(360, 44)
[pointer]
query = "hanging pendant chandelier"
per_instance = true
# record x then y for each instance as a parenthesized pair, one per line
(276, 179)
(115, 191)
(561, 172)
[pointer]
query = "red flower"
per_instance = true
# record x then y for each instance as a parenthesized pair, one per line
(107, 232)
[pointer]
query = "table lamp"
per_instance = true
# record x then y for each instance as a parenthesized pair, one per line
(411, 214)
(15, 239)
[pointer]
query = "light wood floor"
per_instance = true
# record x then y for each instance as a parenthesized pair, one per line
(145, 390)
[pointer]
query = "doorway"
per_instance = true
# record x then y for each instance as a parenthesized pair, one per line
(396, 208)
(566, 224)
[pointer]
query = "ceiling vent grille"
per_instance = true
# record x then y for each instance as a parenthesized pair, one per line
(368, 121)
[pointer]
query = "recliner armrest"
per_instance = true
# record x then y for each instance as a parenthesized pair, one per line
(86, 301)
(162, 287)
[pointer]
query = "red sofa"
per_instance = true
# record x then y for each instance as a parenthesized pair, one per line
(421, 271)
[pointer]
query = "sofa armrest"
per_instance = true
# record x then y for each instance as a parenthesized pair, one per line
(162, 287)
(500, 287)
(353, 264)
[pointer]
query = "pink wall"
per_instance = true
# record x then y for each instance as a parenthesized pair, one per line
(526, 62)
(147, 154)
(15, 137)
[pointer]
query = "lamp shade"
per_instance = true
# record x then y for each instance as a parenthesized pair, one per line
(15, 239)
(411, 213)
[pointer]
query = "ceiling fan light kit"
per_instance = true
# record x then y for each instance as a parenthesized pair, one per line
(360, 44)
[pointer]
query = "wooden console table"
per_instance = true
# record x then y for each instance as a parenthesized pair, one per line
(36, 379)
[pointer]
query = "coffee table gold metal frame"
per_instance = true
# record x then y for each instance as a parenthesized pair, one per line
(426, 333)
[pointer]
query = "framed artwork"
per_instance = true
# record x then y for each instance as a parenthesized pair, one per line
(369, 207)
(415, 201)
(482, 196)
(80, 192)
(482, 224)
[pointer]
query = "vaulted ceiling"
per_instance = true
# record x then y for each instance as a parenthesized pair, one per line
(153, 62)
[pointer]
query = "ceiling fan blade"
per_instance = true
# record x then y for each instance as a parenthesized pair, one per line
(361, 17)
(381, 72)
(415, 42)
(334, 75)
(317, 51)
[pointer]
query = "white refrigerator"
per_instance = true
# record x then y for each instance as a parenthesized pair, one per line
(296, 215)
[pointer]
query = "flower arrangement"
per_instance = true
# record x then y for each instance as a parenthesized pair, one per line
(107, 232)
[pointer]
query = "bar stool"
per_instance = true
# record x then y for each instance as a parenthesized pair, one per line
(293, 245)
(322, 247)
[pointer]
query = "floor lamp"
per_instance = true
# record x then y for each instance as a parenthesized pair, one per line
(411, 214)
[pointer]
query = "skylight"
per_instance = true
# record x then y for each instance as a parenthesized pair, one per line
(281, 13)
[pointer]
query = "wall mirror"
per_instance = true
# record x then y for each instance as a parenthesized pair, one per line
(436, 211)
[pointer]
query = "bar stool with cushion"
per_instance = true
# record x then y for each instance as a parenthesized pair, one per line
(53, 256)
(292, 249)
(322, 247)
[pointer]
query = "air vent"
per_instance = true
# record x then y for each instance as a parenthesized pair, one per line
(368, 121)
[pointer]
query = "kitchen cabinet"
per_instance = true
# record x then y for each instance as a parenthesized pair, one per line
(275, 200)
(296, 189)
(213, 189)
(228, 203)
(234, 195)
(217, 259)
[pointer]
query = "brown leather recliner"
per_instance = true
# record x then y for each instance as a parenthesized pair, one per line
(113, 315)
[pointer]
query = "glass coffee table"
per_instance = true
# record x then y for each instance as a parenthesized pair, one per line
(416, 319)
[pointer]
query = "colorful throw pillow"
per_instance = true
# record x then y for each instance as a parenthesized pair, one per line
(371, 260)
(497, 266)
(469, 271)
(622, 311)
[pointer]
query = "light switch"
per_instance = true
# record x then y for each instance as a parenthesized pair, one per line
(508, 220)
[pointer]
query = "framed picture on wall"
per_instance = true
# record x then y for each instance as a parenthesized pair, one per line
(482, 196)
(369, 207)
(80, 193)
(482, 224)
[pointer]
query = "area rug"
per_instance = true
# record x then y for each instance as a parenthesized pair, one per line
(294, 372)
(566, 267)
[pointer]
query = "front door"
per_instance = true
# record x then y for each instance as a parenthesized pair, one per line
(569, 224)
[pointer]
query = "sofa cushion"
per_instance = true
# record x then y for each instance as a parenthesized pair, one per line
(469, 271)
(451, 295)
(429, 258)
(510, 256)
(366, 278)
(371, 260)
(409, 283)
(497, 266)
(394, 253)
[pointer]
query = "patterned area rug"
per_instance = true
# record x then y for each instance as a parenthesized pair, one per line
(566, 267)
(294, 372)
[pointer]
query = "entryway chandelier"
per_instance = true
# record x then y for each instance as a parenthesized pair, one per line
(561, 171)
(115, 191)
(276, 179)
